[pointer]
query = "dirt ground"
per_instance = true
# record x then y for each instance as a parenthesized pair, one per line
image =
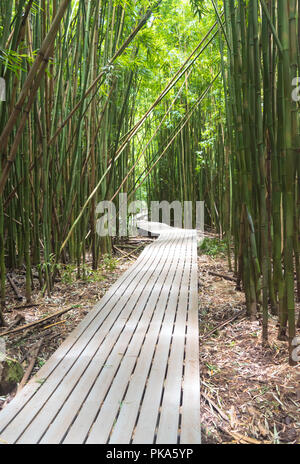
(248, 394)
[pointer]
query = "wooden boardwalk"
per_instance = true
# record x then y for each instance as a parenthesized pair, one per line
(129, 373)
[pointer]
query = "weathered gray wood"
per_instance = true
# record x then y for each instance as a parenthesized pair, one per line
(105, 336)
(70, 343)
(106, 379)
(145, 428)
(190, 412)
(169, 417)
(114, 401)
(129, 373)
(64, 358)
(123, 429)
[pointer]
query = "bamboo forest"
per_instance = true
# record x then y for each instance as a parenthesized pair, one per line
(149, 222)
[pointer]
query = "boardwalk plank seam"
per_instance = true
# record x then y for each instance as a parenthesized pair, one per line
(129, 373)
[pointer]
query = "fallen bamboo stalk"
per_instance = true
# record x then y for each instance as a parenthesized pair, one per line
(18, 320)
(237, 436)
(225, 277)
(17, 308)
(223, 324)
(54, 324)
(123, 254)
(119, 250)
(243, 438)
(30, 367)
(129, 254)
(14, 287)
(138, 239)
(33, 324)
(210, 401)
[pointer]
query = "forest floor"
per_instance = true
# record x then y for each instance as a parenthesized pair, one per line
(248, 394)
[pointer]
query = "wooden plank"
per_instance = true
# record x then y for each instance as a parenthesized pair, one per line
(103, 385)
(105, 382)
(123, 429)
(104, 422)
(116, 290)
(157, 228)
(167, 432)
(190, 413)
(103, 366)
(108, 334)
(107, 318)
(145, 428)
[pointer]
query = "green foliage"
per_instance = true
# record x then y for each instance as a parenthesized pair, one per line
(69, 274)
(12, 371)
(40, 362)
(213, 247)
(199, 7)
(49, 266)
(213, 369)
(14, 61)
(110, 263)
(90, 275)
(40, 381)
(69, 138)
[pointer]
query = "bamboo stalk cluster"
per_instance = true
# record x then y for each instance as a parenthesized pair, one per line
(80, 126)
(69, 104)
(252, 167)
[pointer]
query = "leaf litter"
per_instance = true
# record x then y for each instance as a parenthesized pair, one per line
(248, 394)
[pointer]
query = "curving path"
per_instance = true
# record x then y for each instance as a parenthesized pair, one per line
(129, 373)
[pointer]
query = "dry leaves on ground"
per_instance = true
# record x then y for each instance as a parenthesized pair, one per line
(249, 394)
